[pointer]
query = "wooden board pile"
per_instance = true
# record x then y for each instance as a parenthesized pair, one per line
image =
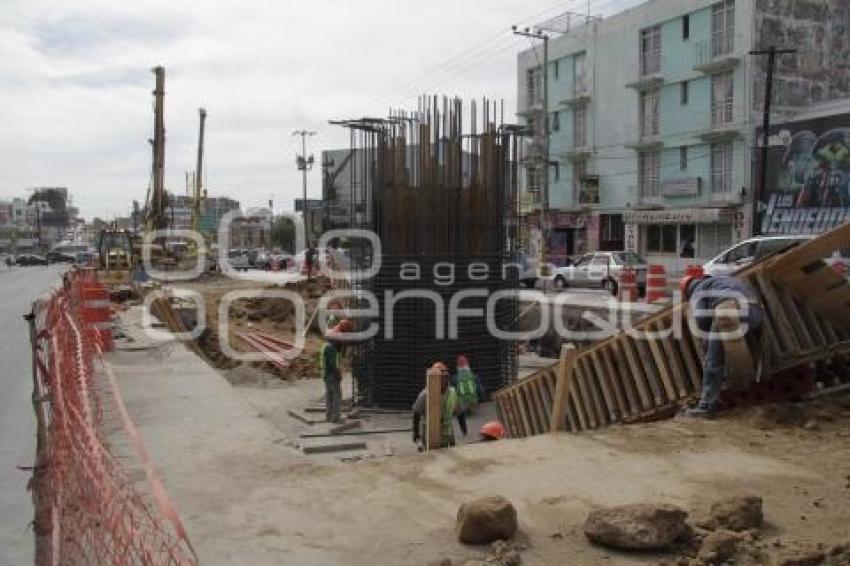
(645, 373)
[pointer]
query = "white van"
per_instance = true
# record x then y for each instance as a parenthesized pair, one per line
(746, 252)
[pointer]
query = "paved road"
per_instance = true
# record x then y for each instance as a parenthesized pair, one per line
(17, 424)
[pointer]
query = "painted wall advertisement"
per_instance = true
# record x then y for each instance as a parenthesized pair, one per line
(808, 176)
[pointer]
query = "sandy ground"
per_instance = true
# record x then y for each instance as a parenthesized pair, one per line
(248, 496)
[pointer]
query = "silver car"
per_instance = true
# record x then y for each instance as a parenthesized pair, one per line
(601, 270)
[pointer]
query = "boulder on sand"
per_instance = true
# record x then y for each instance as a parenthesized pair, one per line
(640, 526)
(737, 513)
(485, 520)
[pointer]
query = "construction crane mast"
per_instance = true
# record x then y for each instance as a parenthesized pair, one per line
(198, 196)
(156, 210)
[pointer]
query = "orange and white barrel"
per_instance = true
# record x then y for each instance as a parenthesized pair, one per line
(656, 284)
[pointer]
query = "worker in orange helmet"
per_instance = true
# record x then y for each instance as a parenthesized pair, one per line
(493, 430)
(330, 356)
(449, 409)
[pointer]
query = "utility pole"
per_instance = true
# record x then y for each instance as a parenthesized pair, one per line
(543, 162)
(304, 164)
(761, 189)
(199, 174)
(158, 198)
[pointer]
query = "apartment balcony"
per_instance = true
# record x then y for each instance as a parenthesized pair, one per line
(576, 100)
(647, 143)
(726, 198)
(647, 82)
(714, 56)
(577, 153)
(722, 132)
(532, 109)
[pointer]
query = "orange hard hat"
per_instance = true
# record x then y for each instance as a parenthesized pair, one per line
(344, 325)
(494, 430)
(687, 283)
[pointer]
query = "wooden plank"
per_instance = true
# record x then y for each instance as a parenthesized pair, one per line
(605, 383)
(661, 364)
(338, 447)
(693, 363)
(572, 413)
(796, 318)
(562, 387)
(576, 398)
(622, 366)
(525, 423)
(584, 400)
(592, 381)
(302, 418)
(809, 251)
(815, 325)
(345, 427)
(776, 313)
(614, 378)
(535, 407)
(677, 368)
(433, 407)
(637, 373)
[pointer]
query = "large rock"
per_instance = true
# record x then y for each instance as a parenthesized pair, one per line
(640, 526)
(485, 520)
(718, 547)
(737, 513)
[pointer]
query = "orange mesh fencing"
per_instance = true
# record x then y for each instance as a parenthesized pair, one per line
(87, 510)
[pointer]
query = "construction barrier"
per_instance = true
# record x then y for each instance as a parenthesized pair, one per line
(87, 509)
(656, 284)
(627, 286)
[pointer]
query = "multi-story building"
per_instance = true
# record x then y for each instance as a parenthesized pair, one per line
(652, 117)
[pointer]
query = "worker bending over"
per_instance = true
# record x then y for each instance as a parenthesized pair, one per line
(330, 355)
(449, 409)
(712, 295)
(470, 392)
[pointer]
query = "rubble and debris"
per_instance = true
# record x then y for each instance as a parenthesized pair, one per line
(639, 526)
(485, 520)
(737, 513)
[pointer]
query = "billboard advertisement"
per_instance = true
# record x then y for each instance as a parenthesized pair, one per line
(808, 176)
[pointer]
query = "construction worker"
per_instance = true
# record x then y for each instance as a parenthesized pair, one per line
(468, 387)
(493, 430)
(448, 411)
(329, 367)
(713, 295)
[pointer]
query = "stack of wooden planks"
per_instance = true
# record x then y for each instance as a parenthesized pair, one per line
(647, 371)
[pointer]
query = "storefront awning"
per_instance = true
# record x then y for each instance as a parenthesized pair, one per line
(680, 216)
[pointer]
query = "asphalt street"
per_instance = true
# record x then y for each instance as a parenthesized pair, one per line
(18, 288)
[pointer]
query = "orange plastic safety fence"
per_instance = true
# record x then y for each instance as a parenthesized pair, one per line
(91, 512)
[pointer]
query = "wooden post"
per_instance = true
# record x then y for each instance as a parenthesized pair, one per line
(562, 389)
(433, 409)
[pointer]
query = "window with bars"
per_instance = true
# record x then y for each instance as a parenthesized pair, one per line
(555, 122)
(650, 50)
(533, 183)
(683, 158)
(723, 28)
(649, 100)
(649, 164)
(534, 86)
(580, 74)
(721, 167)
(580, 126)
(722, 98)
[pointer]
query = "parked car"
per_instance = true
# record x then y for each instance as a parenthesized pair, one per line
(339, 257)
(31, 259)
(87, 259)
(601, 270)
(749, 251)
(282, 261)
(60, 257)
(240, 260)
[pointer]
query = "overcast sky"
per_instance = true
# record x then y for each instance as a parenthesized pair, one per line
(75, 84)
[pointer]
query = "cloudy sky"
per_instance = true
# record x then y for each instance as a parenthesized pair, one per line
(75, 84)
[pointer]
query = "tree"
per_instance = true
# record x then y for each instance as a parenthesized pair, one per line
(52, 197)
(283, 234)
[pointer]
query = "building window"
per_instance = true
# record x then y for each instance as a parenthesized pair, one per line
(557, 171)
(684, 94)
(683, 158)
(532, 126)
(613, 231)
(534, 86)
(649, 100)
(580, 74)
(555, 122)
(713, 239)
(579, 173)
(533, 180)
(580, 126)
(648, 168)
(650, 51)
(722, 28)
(722, 99)
(662, 238)
(721, 167)
(686, 27)
(556, 68)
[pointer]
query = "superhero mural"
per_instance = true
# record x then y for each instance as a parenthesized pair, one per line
(808, 177)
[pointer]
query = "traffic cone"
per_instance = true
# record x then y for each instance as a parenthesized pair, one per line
(656, 284)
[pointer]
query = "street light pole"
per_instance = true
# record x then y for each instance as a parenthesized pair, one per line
(542, 160)
(761, 188)
(304, 164)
